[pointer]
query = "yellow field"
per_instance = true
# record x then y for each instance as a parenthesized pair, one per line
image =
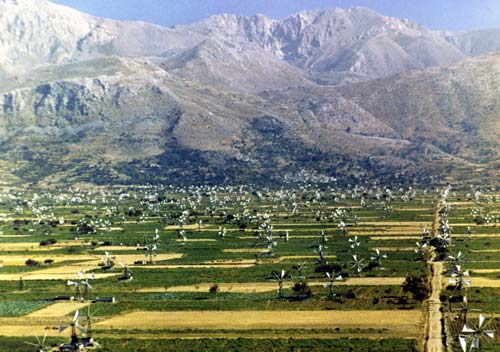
(200, 266)
(16, 260)
(395, 249)
(392, 238)
(484, 282)
(485, 271)
(185, 227)
(43, 277)
(246, 250)
(58, 310)
(260, 287)
(22, 246)
(405, 322)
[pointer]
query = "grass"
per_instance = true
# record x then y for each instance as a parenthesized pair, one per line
(138, 218)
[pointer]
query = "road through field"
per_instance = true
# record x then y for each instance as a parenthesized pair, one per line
(434, 329)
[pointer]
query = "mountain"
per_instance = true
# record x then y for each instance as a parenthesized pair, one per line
(334, 93)
(37, 32)
(356, 40)
(237, 67)
(476, 42)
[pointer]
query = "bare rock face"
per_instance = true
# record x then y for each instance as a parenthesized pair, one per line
(354, 40)
(343, 93)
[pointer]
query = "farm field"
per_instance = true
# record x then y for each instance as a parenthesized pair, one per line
(235, 268)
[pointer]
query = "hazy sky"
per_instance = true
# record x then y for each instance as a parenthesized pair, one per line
(435, 14)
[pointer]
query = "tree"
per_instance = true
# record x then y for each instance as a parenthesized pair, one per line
(417, 287)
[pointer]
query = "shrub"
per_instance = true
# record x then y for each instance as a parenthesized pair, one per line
(416, 286)
(48, 242)
(32, 262)
(302, 290)
(214, 288)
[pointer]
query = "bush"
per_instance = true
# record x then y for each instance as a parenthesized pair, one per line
(48, 242)
(302, 290)
(214, 288)
(350, 294)
(417, 287)
(32, 262)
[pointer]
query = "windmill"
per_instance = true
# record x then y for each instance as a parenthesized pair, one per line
(127, 274)
(40, 345)
(468, 232)
(222, 232)
(152, 247)
(332, 277)
(473, 337)
(342, 228)
(463, 312)
(320, 249)
(280, 277)
(76, 284)
(87, 330)
(108, 261)
(270, 244)
(421, 250)
(459, 279)
(456, 260)
(74, 336)
(357, 265)
(426, 234)
(79, 343)
(181, 235)
(377, 258)
(300, 271)
(355, 243)
(82, 282)
(443, 241)
(285, 235)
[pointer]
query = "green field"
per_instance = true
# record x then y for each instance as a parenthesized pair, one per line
(255, 255)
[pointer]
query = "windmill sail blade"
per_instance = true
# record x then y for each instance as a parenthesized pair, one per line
(32, 344)
(467, 330)
(476, 343)
(463, 343)
(481, 320)
(490, 334)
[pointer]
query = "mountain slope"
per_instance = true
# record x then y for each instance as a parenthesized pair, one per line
(455, 108)
(232, 99)
(241, 68)
(355, 40)
(37, 32)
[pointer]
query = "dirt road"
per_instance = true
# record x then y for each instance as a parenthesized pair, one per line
(434, 329)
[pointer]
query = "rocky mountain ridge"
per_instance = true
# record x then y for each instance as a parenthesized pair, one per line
(336, 93)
